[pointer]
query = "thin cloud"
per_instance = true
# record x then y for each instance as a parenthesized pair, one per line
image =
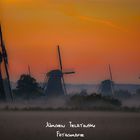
(105, 22)
(71, 10)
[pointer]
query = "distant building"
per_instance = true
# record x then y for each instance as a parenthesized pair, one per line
(106, 88)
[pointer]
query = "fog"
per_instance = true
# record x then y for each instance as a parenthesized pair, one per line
(131, 102)
(60, 102)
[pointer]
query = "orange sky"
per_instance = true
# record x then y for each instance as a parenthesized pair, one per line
(91, 34)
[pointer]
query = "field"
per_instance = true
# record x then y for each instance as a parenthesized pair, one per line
(30, 125)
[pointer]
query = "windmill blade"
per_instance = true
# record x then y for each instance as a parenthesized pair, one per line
(71, 72)
(65, 90)
(110, 72)
(5, 59)
(29, 70)
(4, 52)
(60, 60)
(112, 88)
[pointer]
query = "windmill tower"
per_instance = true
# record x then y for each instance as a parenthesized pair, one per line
(5, 87)
(55, 84)
(107, 86)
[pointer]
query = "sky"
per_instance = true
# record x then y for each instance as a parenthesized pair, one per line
(91, 35)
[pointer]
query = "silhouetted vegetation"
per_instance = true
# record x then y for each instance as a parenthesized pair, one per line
(122, 94)
(83, 92)
(93, 100)
(27, 87)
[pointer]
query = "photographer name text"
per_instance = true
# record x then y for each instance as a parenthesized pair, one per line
(70, 125)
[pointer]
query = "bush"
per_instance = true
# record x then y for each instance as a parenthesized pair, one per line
(93, 100)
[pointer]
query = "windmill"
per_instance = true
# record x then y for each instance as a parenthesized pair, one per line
(107, 86)
(5, 87)
(55, 84)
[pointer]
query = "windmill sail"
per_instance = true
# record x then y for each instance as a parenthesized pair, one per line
(29, 70)
(111, 80)
(60, 60)
(61, 68)
(110, 72)
(6, 92)
(2, 92)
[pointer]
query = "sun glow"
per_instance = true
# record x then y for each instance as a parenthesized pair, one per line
(91, 35)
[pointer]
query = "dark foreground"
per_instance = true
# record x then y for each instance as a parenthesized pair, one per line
(30, 125)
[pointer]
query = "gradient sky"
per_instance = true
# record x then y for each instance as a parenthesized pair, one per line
(91, 34)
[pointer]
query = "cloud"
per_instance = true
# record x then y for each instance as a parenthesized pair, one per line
(72, 10)
(101, 21)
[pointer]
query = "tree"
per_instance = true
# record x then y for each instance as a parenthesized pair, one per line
(27, 86)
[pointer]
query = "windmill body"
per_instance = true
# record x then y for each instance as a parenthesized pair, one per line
(107, 86)
(55, 84)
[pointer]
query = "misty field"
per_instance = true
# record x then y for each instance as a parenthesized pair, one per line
(30, 125)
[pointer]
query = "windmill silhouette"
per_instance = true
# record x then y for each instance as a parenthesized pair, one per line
(5, 87)
(54, 80)
(107, 86)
